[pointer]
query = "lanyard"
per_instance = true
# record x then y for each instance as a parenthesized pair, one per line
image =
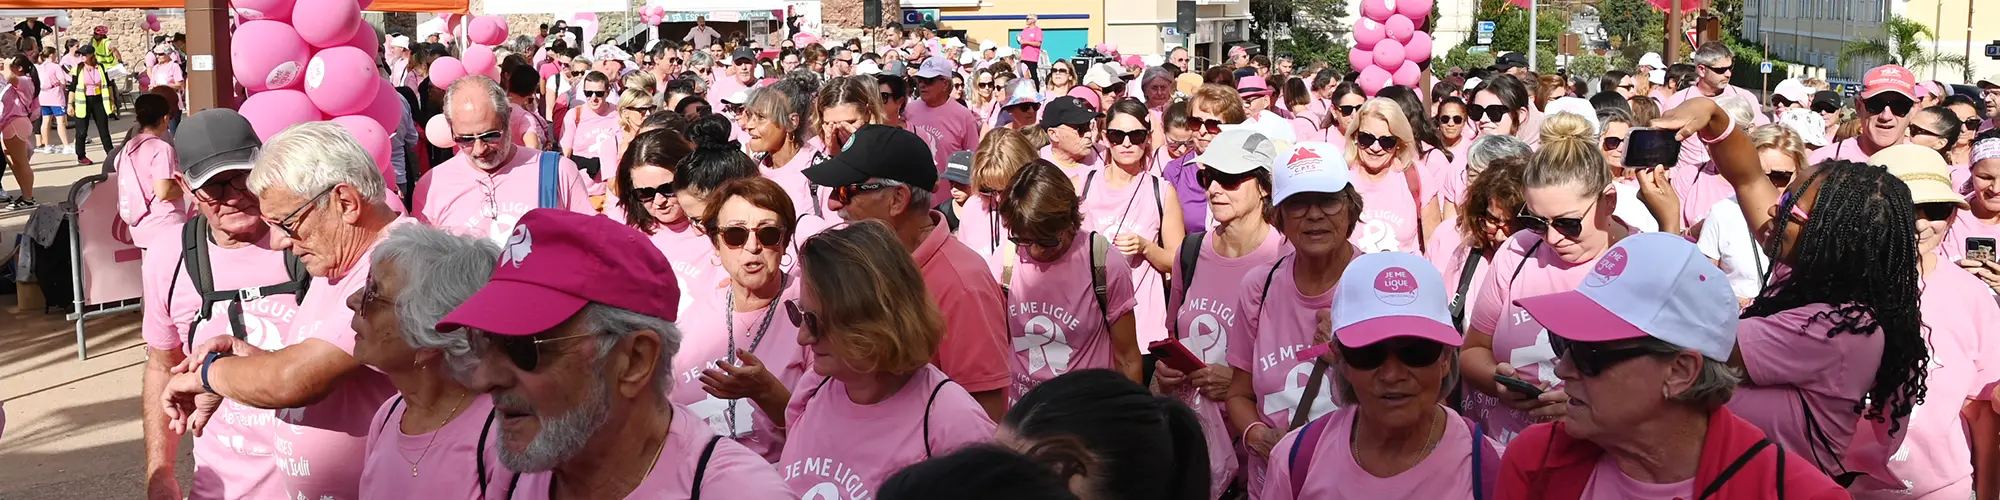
(729, 324)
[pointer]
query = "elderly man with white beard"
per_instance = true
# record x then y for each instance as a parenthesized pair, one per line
(574, 338)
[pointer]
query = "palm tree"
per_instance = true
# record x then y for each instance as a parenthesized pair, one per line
(1903, 42)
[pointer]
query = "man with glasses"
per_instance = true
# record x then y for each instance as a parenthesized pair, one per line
(576, 346)
(1990, 89)
(326, 199)
(842, 63)
(943, 123)
(1072, 130)
(1887, 99)
(1180, 59)
(887, 174)
(1714, 64)
(492, 181)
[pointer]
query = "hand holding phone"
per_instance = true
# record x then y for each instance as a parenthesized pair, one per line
(1980, 248)
(1647, 147)
(1517, 385)
(1175, 355)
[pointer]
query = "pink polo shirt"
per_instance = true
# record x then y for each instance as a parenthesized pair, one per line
(321, 447)
(154, 222)
(1279, 320)
(1444, 474)
(840, 449)
(446, 459)
(947, 128)
(767, 333)
(1789, 356)
(733, 472)
(235, 457)
(1207, 310)
(1054, 318)
(454, 195)
(1935, 460)
(973, 352)
(1390, 215)
(1134, 208)
(1849, 150)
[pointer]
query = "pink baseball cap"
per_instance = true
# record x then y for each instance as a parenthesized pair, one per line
(1252, 85)
(1397, 294)
(1649, 284)
(555, 262)
(1088, 95)
(1889, 78)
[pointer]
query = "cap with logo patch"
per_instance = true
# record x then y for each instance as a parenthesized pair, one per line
(1400, 295)
(1309, 167)
(555, 263)
(1648, 285)
(1889, 78)
(1239, 150)
(1067, 110)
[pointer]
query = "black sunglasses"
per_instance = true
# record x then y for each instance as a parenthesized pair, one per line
(1825, 108)
(1936, 211)
(1413, 353)
(1038, 242)
(1133, 137)
(1570, 227)
(1450, 119)
(1366, 140)
(1613, 143)
(1591, 359)
(1229, 181)
(887, 97)
(596, 93)
(1214, 126)
(1721, 70)
(1915, 130)
(737, 236)
(647, 193)
(642, 109)
(1779, 177)
(1780, 101)
(805, 320)
(1490, 113)
(1895, 104)
(1348, 109)
(525, 351)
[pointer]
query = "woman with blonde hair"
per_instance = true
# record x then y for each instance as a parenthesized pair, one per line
(1050, 309)
(1548, 88)
(1001, 154)
(1382, 152)
(873, 403)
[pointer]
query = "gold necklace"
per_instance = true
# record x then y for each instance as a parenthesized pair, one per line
(434, 436)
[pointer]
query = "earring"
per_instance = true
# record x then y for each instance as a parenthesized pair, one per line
(715, 260)
(785, 261)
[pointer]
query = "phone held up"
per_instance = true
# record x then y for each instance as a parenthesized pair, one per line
(1979, 248)
(1648, 147)
(1518, 385)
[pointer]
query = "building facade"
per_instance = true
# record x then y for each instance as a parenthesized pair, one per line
(1812, 32)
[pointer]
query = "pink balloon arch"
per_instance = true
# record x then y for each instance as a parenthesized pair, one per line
(324, 69)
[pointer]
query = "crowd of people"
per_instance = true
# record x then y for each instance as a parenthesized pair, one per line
(43, 87)
(923, 271)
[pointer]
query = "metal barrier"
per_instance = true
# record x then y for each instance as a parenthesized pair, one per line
(92, 216)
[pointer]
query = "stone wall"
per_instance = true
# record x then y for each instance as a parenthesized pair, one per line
(841, 19)
(127, 27)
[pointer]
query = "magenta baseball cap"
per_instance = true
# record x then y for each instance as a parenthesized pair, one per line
(1648, 285)
(1087, 95)
(1397, 295)
(555, 262)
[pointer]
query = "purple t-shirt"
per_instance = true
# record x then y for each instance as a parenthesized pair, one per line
(1194, 197)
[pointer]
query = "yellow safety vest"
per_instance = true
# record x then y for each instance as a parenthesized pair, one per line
(78, 97)
(103, 48)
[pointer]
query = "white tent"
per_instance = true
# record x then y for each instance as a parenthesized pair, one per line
(718, 5)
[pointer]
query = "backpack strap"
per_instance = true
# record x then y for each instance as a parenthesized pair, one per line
(1465, 274)
(479, 457)
(1308, 439)
(549, 181)
(1159, 205)
(1098, 287)
(383, 428)
(701, 467)
(1087, 178)
(1524, 260)
(1736, 466)
(1268, 277)
(194, 259)
(927, 415)
(1190, 254)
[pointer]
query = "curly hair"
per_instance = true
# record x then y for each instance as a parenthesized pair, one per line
(1499, 184)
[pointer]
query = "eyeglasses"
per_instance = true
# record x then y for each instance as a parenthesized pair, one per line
(1213, 126)
(1450, 119)
(647, 193)
(1589, 358)
(1298, 205)
(1133, 137)
(807, 321)
(214, 191)
(1570, 227)
(489, 137)
(1936, 211)
(1613, 143)
(596, 93)
(1914, 131)
(843, 194)
(642, 109)
(1899, 106)
(1058, 70)
(525, 351)
(1228, 181)
(1036, 242)
(1490, 113)
(1366, 140)
(289, 226)
(1348, 109)
(1413, 353)
(1826, 108)
(372, 293)
(646, 63)
(1720, 70)
(737, 236)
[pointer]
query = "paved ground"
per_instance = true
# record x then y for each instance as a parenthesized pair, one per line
(72, 427)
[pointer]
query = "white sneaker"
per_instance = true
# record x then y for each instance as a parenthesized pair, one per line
(68, 149)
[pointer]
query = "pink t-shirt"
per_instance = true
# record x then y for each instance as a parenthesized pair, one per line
(454, 195)
(1849, 150)
(593, 135)
(733, 472)
(1030, 53)
(1964, 225)
(167, 73)
(839, 449)
(55, 81)
(980, 229)
(973, 351)
(1607, 482)
(1444, 179)
(321, 447)
(527, 124)
(1207, 310)
(1390, 220)
(1134, 208)
(948, 128)
(1278, 321)
(704, 343)
(1444, 474)
(89, 80)
(1054, 318)
(1517, 338)
(154, 221)
(1699, 186)
(1448, 251)
(807, 198)
(446, 459)
(724, 85)
(1788, 356)
(1090, 162)
(691, 254)
(1935, 460)
(235, 455)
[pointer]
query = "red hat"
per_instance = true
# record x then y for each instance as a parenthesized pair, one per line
(100, 30)
(1889, 78)
(555, 262)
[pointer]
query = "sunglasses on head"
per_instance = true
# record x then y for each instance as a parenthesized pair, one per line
(1228, 180)
(489, 137)
(596, 93)
(1489, 113)
(647, 193)
(1896, 105)
(843, 194)
(1450, 119)
(1133, 137)
(1591, 359)
(1366, 140)
(1570, 227)
(1413, 353)
(1613, 143)
(1213, 126)
(525, 351)
(737, 236)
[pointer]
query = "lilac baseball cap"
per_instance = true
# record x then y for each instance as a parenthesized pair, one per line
(555, 262)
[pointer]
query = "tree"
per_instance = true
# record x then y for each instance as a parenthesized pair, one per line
(1902, 42)
(1311, 24)
(1510, 30)
(1635, 26)
(1460, 57)
(1589, 65)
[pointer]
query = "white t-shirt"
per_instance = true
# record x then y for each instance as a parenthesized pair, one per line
(702, 36)
(1725, 237)
(1633, 211)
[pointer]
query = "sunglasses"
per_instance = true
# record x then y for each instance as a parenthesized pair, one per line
(1971, 125)
(843, 194)
(641, 109)
(596, 93)
(1570, 227)
(1779, 102)
(1826, 108)
(1720, 70)
(1228, 181)
(1628, 86)
(1896, 105)
(647, 193)
(1613, 143)
(737, 236)
(1779, 177)
(1413, 353)
(1450, 119)
(1116, 88)
(1036, 242)
(1366, 140)
(1348, 109)
(1059, 70)
(1915, 131)
(525, 351)
(1590, 359)
(1297, 205)
(646, 63)
(1936, 211)
(1133, 137)
(489, 137)
(889, 97)
(1797, 213)
(807, 321)
(1213, 126)
(1490, 113)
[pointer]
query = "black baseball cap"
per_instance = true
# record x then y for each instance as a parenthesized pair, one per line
(213, 141)
(1826, 98)
(1509, 61)
(878, 152)
(744, 54)
(1067, 110)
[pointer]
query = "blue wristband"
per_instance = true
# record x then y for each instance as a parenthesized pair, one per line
(205, 363)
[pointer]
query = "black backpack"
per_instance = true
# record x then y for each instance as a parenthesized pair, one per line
(194, 259)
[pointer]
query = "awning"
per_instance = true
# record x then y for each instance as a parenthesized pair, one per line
(711, 5)
(452, 6)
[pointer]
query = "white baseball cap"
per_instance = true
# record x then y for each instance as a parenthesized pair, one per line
(1794, 91)
(986, 45)
(935, 67)
(1004, 52)
(1238, 150)
(866, 68)
(1397, 294)
(1576, 106)
(1652, 59)
(1309, 167)
(1658, 77)
(740, 97)
(1648, 285)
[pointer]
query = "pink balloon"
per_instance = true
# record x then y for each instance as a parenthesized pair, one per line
(269, 10)
(1418, 48)
(152, 22)
(445, 70)
(1359, 58)
(364, 39)
(1379, 10)
(372, 138)
(439, 132)
(387, 109)
(1400, 28)
(333, 21)
(1367, 33)
(1416, 10)
(487, 30)
(478, 59)
(1388, 54)
(341, 80)
(363, 4)
(1408, 75)
(270, 112)
(271, 56)
(1372, 80)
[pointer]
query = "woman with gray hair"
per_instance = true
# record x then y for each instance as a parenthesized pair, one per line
(436, 425)
(1484, 150)
(1643, 346)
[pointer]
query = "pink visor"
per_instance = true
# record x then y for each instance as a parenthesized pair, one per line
(1574, 316)
(1368, 332)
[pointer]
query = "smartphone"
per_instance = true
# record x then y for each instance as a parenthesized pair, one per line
(1518, 385)
(1979, 248)
(1649, 147)
(1175, 355)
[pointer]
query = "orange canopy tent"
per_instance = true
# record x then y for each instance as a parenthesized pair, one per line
(434, 6)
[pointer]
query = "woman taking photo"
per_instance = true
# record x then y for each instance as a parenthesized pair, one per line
(1648, 416)
(738, 364)
(1393, 368)
(1318, 212)
(873, 402)
(646, 202)
(1500, 107)
(1383, 154)
(1115, 203)
(1981, 218)
(1567, 222)
(1143, 446)
(1050, 310)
